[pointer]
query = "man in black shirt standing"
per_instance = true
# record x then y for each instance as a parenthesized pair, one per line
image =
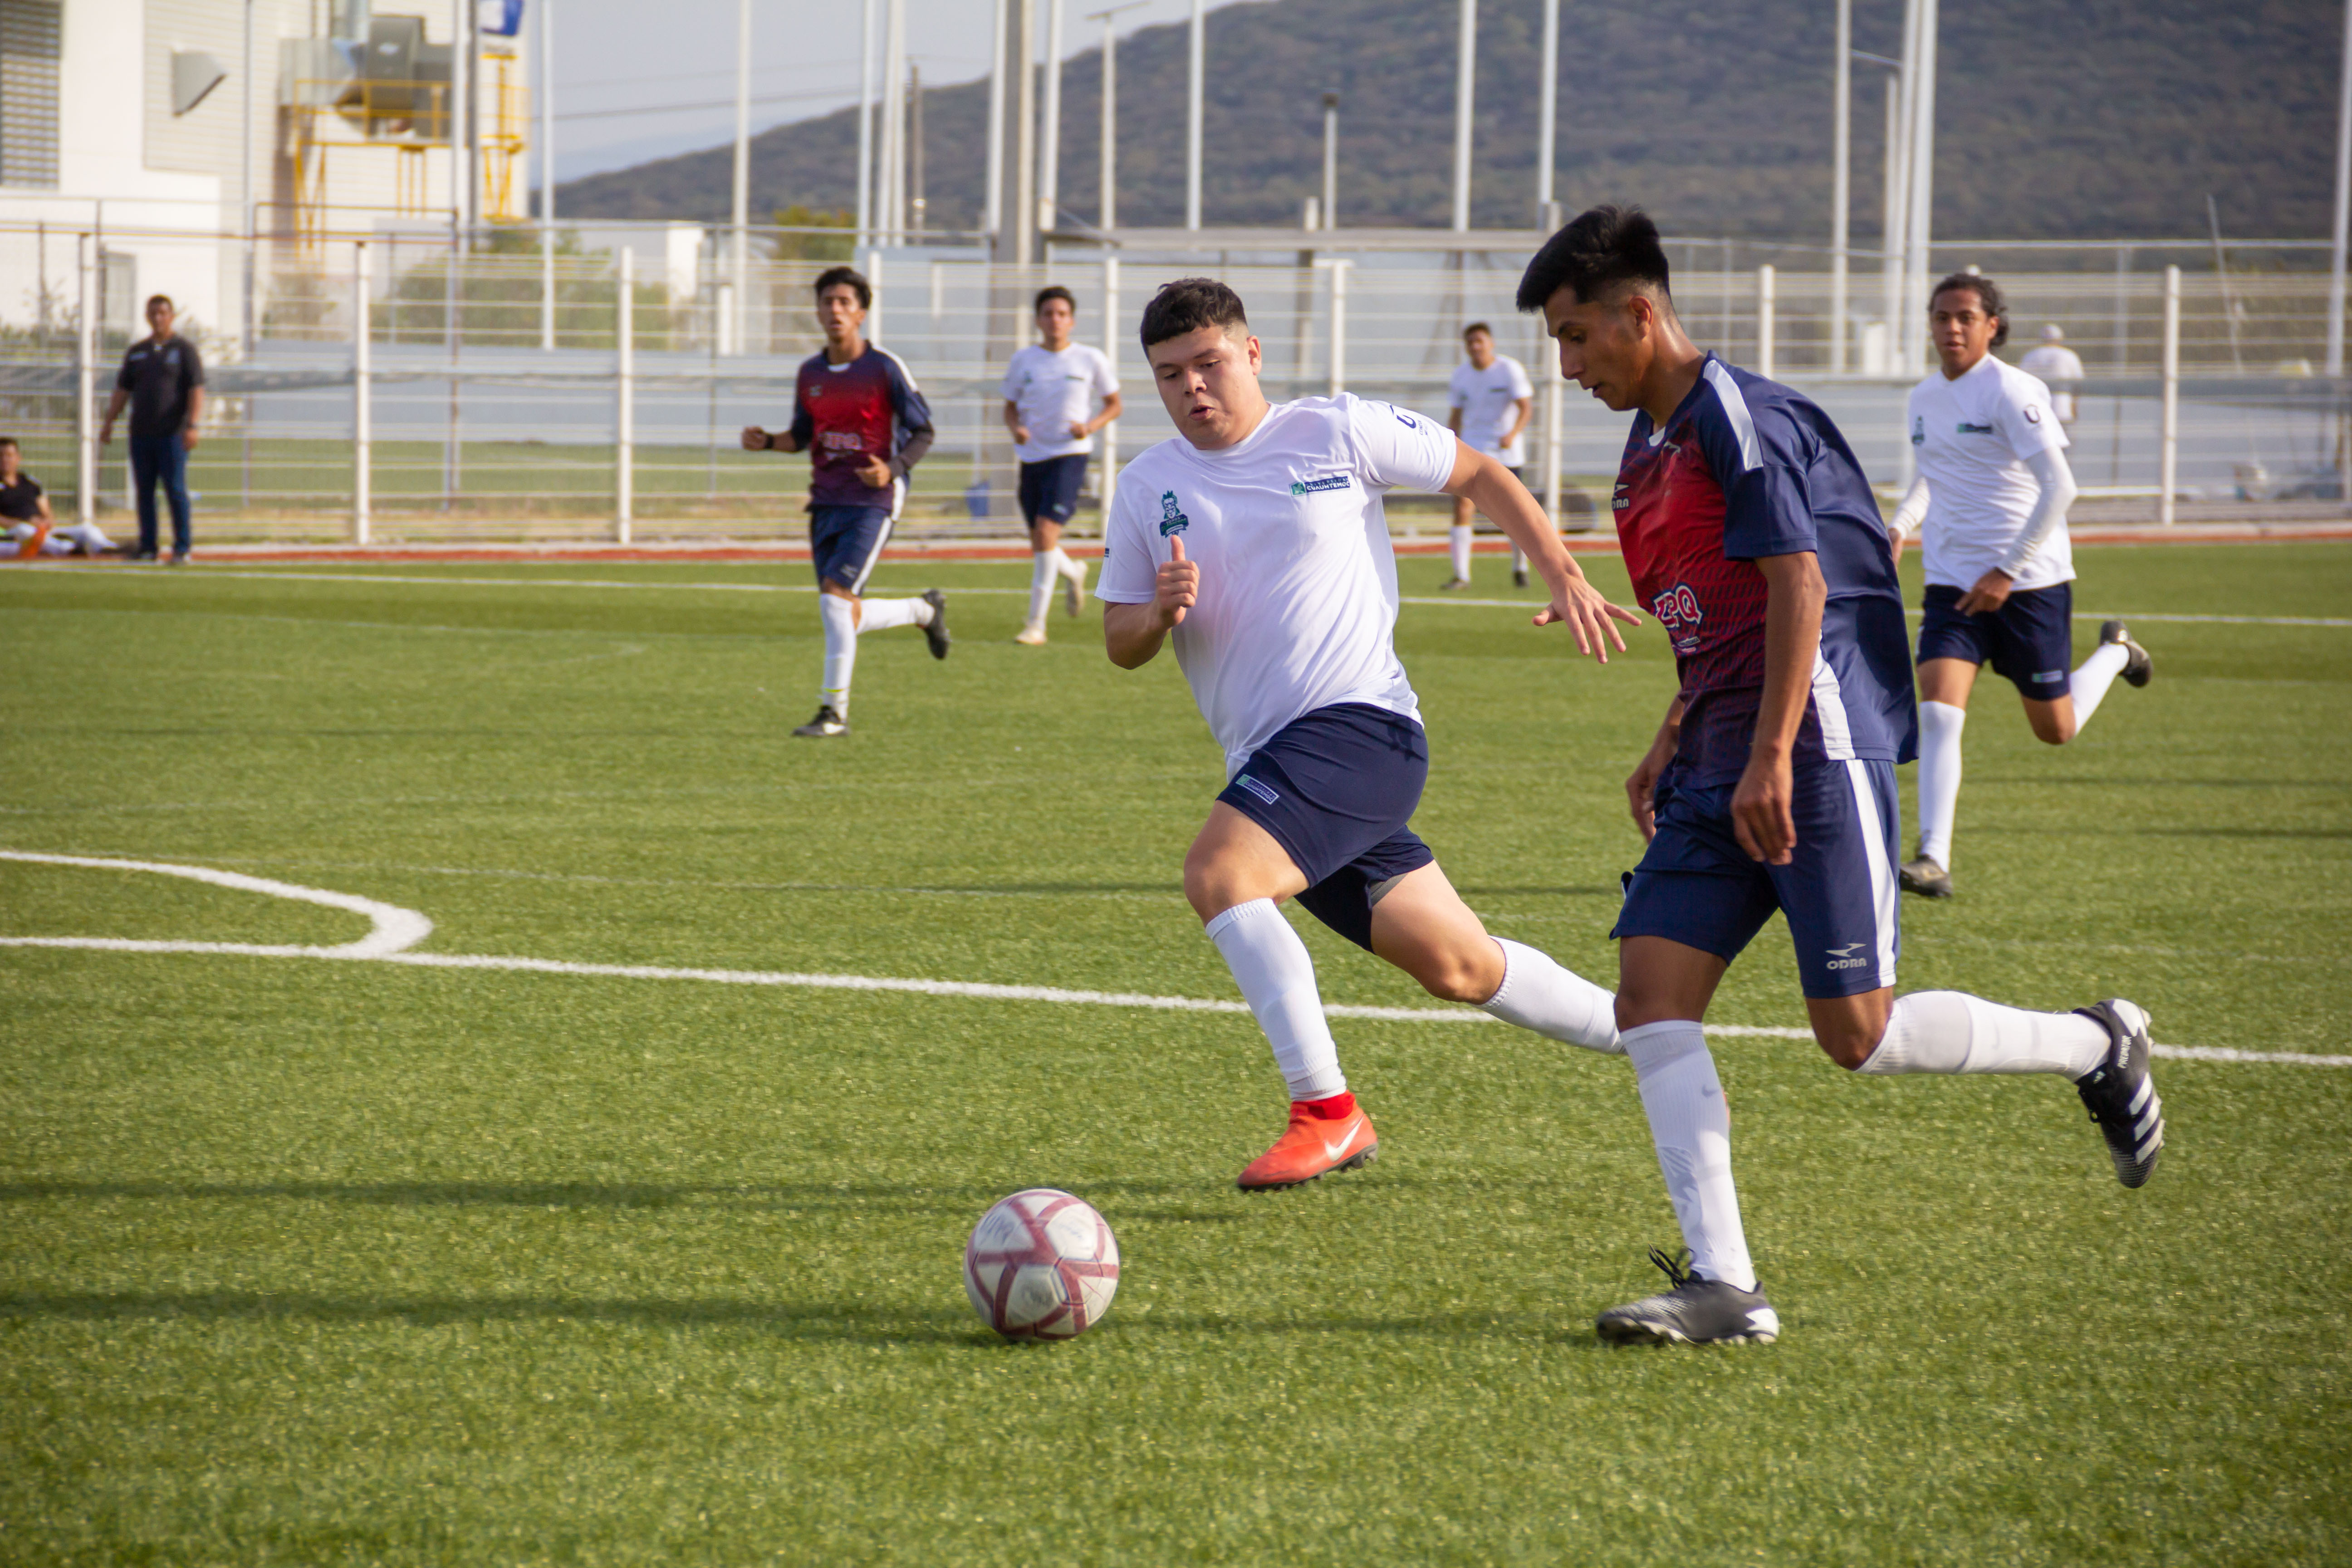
(162, 380)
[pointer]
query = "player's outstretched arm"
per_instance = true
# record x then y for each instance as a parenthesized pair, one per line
(1492, 488)
(758, 440)
(1761, 818)
(1132, 633)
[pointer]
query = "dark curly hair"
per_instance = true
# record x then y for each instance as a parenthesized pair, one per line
(1988, 299)
(1188, 304)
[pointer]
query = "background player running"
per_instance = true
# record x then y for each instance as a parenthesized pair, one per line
(857, 408)
(1750, 530)
(1057, 393)
(1255, 539)
(1488, 403)
(1992, 489)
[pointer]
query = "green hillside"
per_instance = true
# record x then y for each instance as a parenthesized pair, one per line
(2092, 119)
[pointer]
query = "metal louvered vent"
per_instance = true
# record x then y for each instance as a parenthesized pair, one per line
(28, 92)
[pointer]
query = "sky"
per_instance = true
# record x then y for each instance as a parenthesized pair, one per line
(627, 91)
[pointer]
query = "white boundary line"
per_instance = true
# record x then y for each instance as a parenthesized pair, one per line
(395, 930)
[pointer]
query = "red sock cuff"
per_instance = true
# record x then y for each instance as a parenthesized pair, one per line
(1338, 1108)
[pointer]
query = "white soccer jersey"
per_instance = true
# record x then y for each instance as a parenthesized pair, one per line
(1054, 391)
(1488, 399)
(1972, 438)
(1298, 591)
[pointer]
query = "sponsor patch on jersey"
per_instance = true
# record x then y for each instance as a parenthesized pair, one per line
(2032, 414)
(1257, 788)
(1965, 429)
(1329, 482)
(1172, 518)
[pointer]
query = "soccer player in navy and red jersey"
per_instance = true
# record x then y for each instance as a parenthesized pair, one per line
(858, 409)
(1750, 532)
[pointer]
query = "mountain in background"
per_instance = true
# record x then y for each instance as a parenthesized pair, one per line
(2096, 119)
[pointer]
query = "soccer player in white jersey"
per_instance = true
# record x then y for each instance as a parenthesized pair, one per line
(1990, 504)
(1488, 403)
(1255, 541)
(1057, 393)
(2057, 367)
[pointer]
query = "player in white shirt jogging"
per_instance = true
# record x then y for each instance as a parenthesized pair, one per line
(1052, 390)
(1990, 505)
(1488, 403)
(1255, 541)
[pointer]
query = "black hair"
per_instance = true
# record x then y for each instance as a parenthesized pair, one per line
(155, 299)
(1989, 300)
(1188, 304)
(1599, 250)
(1053, 292)
(9, 441)
(1477, 327)
(833, 277)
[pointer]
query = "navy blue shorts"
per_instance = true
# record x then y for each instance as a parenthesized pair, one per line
(2030, 639)
(1697, 886)
(1049, 490)
(1335, 788)
(844, 542)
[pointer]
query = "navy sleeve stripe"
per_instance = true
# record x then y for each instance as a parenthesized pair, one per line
(1735, 408)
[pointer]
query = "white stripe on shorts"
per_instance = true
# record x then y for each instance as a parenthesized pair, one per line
(1884, 889)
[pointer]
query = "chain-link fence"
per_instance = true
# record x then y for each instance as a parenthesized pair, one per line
(409, 387)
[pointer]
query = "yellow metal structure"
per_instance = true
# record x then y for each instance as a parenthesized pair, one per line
(410, 118)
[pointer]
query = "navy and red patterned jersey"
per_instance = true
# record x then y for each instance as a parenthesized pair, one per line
(844, 414)
(1745, 468)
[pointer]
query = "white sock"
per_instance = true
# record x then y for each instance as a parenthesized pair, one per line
(2090, 683)
(1067, 567)
(1518, 557)
(1951, 1031)
(1041, 584)
(882, 614)
(1460, 540)
(1691, 1126)
(1939, 778)
(1538, 993)
(840, 650)
(1277, 980)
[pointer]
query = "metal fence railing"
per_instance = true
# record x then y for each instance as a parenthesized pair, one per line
(404, 387)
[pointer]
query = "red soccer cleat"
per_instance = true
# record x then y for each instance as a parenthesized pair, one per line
(1313, 1146)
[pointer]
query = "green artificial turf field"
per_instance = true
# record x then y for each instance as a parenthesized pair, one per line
(311, 1262)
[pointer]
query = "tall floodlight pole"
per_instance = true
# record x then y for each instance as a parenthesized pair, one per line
(1840, 182)
(547, 173)
(1199, 50)
(2342, 205)
(1466, 73)
(1049, 154)
(1330, 160)
(1547, 116)
(742, 170)
(865, 123)
(994, 220)
(1922, 194)
(1024, 133)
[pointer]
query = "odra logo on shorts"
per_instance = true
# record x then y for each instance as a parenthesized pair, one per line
(1171, 520)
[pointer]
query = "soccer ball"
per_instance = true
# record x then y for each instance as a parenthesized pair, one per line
(1041, 1265)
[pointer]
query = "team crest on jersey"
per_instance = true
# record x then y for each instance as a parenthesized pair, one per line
(1677, 610)
(1310, 487)
(1172, 518)
(1919, 431)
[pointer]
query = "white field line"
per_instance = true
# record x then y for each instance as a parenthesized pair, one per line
(395, 930)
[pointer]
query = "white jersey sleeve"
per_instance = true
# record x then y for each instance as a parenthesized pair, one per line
(1010, 388)
(1520, 386)
(1457, 393)
(2027, 421)
(1104, 382)
(1130, 563)
(1398, 450)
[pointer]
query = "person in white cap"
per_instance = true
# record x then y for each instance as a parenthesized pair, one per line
(2057, 367)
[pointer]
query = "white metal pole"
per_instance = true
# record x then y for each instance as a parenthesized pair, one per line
(1842, 184)
(1339, 328)
(2343, 205)
(1921, 193)
(461, 167)
(1113, 328)
(624, 411)
(1330, 160)
(547, 174)
(1024, 133)
(1899, 325)
(1767, 299)
(1465, 75)
(1049, 154)
(1198, 52)
(245, 177)
(995, 220)
(894, 122)
(874, 281)
(739, 311)
(1547, 116)
(1890, 231)
(865, 126)
(85, 388)
(2168, 435)
(362, 400)
(1107, 210)
(1555, 397)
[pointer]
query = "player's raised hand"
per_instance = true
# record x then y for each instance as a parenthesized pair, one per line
(1177, 588)
(1588, 614)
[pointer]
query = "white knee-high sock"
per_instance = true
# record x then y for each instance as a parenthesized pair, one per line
(1939, 778)
(882, 614)
(1066, 566)
(2089, 683)
(1539, 994)
(1691, 1126)
(840, 651)
(1459, 540)
(1041, 584)
(1278, 979)
(1951, 1031)
(1518, 557)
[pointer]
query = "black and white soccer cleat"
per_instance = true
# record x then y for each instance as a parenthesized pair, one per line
(1692, 1311)
(1924, 877)
(826, 723)
(936, 633)
(2138, 666)
(2120, 1093)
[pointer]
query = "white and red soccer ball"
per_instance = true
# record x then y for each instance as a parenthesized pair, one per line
(1041, 1265)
